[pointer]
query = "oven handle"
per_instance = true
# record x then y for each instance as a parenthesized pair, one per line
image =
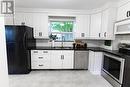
(114, 57)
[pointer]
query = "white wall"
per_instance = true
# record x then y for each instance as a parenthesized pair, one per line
(3, 58)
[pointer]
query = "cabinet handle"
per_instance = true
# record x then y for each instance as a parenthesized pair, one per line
(45, 51)
(40, 34)
(40, 57)
(82, 34)
(41, 65)
(105, 34)
(35, 52)
(62, 57)
(127, 14)
(99, 34)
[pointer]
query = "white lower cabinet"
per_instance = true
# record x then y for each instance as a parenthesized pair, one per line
(95, 62)
(62, 59)
(40, 59)
(68, 59)
(56, 61)
(52, 59)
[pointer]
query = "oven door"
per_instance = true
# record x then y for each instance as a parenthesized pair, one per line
(114, 67)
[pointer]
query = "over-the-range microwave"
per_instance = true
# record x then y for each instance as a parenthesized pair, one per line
(122, 27)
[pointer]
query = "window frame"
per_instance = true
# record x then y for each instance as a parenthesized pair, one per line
(50, 32)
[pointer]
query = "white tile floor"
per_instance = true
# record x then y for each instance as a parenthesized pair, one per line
(58, 79)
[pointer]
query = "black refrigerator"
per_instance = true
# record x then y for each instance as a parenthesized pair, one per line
(18, 39)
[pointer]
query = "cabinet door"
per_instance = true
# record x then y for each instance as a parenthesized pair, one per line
(91, 61)
(108, 21)
(40, 25)
(19, 18)
(98, 63)
(56, 59)
(95, 62)
(82, 26)
(24, 18)
(95, 26)
(67, 59)
(122, 12)
(105, 16)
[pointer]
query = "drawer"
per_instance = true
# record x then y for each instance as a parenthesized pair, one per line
(40, 52)
(41, 58)
(36, 51)
(40, 65)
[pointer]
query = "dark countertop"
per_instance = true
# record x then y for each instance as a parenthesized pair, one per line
(95, 49)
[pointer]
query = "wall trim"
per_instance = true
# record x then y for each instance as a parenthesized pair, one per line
(65, 11)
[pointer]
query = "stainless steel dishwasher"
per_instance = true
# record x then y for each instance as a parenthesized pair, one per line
(81, 59)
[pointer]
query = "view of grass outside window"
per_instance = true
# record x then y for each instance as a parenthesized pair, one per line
(63, 30)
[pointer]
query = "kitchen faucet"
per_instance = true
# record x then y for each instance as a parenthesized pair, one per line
(63, 39)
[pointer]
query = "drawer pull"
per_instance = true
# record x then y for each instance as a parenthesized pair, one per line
(40, 57)
(35, 52)
(45, 51)
(41, 65)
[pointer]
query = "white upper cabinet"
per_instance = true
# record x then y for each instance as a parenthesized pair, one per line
(40, 25)
(95, 26)
(39, 22)
(23, 18)
(108, 20)
(123, 12)
(82, 26)
(102, 24)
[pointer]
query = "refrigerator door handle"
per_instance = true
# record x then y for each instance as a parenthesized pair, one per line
(24, 43)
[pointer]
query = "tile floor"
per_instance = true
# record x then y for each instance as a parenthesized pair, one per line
(58, 79)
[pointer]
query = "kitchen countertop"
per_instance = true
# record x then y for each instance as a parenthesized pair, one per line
(95, 49)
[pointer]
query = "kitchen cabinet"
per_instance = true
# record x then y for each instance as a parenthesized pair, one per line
(95, 62)
(82, 26)
(95, 25)
(52, 59)
(68, 59)
(108, 21)
(102, 24)
(40, 59)
(24, 18)
(39, 22)
(62, 59)
(56, 60)
(40, 25)
(123, 12)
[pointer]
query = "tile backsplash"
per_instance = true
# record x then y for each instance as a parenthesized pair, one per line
(90, 43)
(118, 39)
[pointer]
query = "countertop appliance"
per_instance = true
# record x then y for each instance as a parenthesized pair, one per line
(124, 48)
(17, 43)
(81, 59)
(113, 69)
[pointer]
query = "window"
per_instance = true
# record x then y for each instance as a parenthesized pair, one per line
(62, 28)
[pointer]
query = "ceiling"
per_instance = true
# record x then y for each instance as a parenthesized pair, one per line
(62, 4)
